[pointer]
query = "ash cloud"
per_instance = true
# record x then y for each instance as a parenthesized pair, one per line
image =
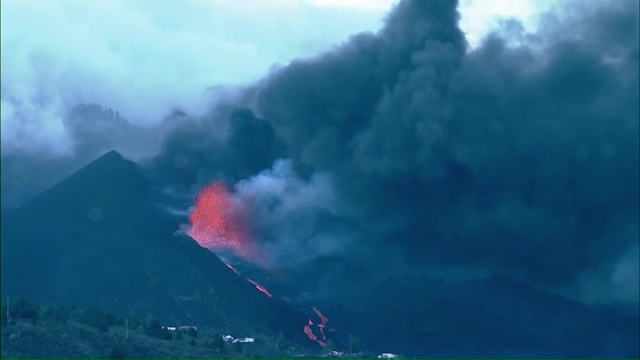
(230, 144)
(296, 221)
(519, 156)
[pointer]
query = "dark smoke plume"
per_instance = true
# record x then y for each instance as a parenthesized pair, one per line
(519, 156)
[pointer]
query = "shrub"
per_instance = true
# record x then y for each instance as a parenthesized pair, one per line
(192, 332)
(58, 314)
(99, 319)
(116, 353)
(156, 330)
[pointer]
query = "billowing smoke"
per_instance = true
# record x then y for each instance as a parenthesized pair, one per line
(404, 146)
(231, 144)
(296, 222)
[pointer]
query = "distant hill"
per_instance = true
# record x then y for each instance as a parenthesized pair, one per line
(98, 238)
(494, 317)
(95, 130)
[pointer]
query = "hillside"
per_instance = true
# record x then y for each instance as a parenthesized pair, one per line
(68, 332)
(99, 239)
(494, 317)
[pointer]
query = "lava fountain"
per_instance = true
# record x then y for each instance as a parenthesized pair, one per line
(219, 224)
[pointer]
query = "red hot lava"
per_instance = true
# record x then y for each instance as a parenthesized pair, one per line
(312, 336)
(232, 268)
(323, 323)
(308, 328)
(218, 224)
(260, 287)
(323, 319)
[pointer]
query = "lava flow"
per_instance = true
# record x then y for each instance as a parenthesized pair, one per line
(323, 320)
(260, 288)
(308, 328)
(312, 336)
(323, 323)
(218, 224)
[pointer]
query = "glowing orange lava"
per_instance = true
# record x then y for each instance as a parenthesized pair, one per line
(312, 336)
(323, 323)
(260, 287)
(323, 319)
(217, 224)
(232, 268)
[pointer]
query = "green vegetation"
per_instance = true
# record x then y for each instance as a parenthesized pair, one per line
(21, 310)
(99, 319)
(67, 332)
(117, 353)
(155, 329)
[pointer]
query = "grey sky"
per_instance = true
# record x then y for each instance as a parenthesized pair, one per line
(145, 60)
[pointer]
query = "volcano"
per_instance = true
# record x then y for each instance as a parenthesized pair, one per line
(99, 238)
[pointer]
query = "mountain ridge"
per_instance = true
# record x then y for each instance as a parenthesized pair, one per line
(98, 239)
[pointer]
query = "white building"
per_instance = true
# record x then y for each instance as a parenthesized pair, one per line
(388, 356)
(244, 340)
(334, 354)
(185, 328)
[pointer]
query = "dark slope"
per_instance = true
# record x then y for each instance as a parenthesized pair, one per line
(97, 239)
(495, 317)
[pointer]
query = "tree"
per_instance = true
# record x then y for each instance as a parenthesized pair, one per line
(219, 344)
(99, 319)
(330, 346)
(156, 330)
(281, 341)
(116, 353)
(153, 328)
(192, 332)
(58, 314)
(356, 344)
(238, 348)
(5, 318)
(27, 311)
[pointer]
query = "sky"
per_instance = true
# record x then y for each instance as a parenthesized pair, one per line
(144, 60)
